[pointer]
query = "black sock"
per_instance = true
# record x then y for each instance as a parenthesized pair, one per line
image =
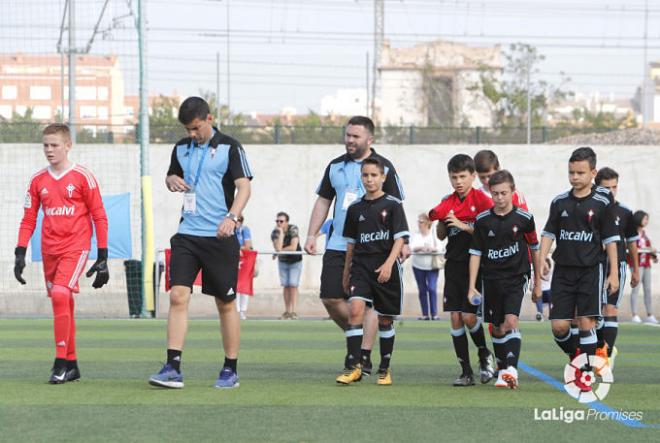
(230, 363)
(513, 340)
(174, 359)
(461, 348)
(366, 357)
(386, 338)
(500, 352)
(566, 343)
(588, 342)
(60, 363)
(600, 338)
(72, 364)
(479, 339)
(354, 335)
(575, 338)
(610, 330)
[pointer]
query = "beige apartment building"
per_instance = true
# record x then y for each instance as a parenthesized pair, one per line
(39, 82)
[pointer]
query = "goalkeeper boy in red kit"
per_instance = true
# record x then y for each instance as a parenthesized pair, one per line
(70, 199)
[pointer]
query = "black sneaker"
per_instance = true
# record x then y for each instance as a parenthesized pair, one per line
(486, 369)
(73, 374)
(464, 380)
(57, 376)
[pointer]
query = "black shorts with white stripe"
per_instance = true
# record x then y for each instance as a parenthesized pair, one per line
(576, 292)
(615, 298)
(387, 298)
(502, 297)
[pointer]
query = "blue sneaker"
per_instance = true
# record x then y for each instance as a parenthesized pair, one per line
(168, 377)
(227, 379)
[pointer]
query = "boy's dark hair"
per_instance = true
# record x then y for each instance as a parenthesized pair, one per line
(373, 161)
(283, 214)
(584, 154)
(58, 128)
(192, 108)
(637, 218)
(502, 176)
(485, 161)
(460, 163)
(606, 174)
(365, 122)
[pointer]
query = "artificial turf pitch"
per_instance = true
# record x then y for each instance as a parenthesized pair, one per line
(288, 392)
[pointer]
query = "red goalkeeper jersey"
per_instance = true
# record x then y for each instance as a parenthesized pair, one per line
(70, 202)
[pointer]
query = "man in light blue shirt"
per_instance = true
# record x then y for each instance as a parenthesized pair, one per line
(212, 172)
(342, 184)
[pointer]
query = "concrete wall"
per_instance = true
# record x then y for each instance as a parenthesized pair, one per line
(285, 179)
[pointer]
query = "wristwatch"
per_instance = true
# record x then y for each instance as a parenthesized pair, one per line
(232, 217)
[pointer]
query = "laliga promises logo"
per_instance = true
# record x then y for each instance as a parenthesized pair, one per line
(581, 380)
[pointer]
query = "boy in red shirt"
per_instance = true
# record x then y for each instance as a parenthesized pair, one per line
(70, 198)
(457, 213)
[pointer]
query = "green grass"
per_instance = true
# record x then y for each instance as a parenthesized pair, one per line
(288, 391)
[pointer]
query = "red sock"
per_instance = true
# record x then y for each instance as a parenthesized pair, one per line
(71, 347)
(60, 297)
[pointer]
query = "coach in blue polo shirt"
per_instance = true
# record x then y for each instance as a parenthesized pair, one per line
(342, 183)
(212, 172)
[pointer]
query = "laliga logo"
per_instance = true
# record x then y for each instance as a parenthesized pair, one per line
(581, 381)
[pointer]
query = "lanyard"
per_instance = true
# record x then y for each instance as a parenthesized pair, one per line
(349, 183)
(201, 162)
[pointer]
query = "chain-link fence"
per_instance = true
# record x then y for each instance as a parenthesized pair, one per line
(30, 132)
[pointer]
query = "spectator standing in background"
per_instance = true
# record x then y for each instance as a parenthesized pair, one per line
(641, 220)
(285, 237)
(426, 275)
(244, 237)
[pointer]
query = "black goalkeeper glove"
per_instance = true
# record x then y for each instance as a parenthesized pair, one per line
(100, 266)
(19, 263)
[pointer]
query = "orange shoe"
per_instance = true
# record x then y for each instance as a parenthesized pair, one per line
(602, 353)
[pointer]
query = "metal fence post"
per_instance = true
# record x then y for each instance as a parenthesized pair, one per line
(411, 135)
(544, 134)
(478, 134)
(277, 134)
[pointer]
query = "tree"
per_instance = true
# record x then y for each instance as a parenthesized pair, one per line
(584, 118)
(163, 124)
(507, 93)
(20, 128)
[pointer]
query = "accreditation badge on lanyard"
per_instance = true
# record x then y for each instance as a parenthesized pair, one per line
(190, 196)
(351, 194)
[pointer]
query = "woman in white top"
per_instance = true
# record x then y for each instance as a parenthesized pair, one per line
(426, 274)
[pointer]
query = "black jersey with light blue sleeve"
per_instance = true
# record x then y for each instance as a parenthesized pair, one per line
(581, 226)
(211, 169)
(342, 183)
(373, 225)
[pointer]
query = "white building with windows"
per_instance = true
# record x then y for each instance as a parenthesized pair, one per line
(435, 84)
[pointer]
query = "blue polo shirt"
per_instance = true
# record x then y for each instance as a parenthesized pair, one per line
(343, 176)
(223, 160)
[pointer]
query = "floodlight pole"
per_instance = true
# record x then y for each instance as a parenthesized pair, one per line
(529, 97)
(72, 70)
(149, 302)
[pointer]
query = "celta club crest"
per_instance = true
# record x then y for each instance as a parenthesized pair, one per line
(473, 209)
(590, 215)
(69, 189)
(383, 215)
(617, 221)
(515, 230)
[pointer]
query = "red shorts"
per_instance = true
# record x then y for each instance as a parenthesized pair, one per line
(64, 269)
